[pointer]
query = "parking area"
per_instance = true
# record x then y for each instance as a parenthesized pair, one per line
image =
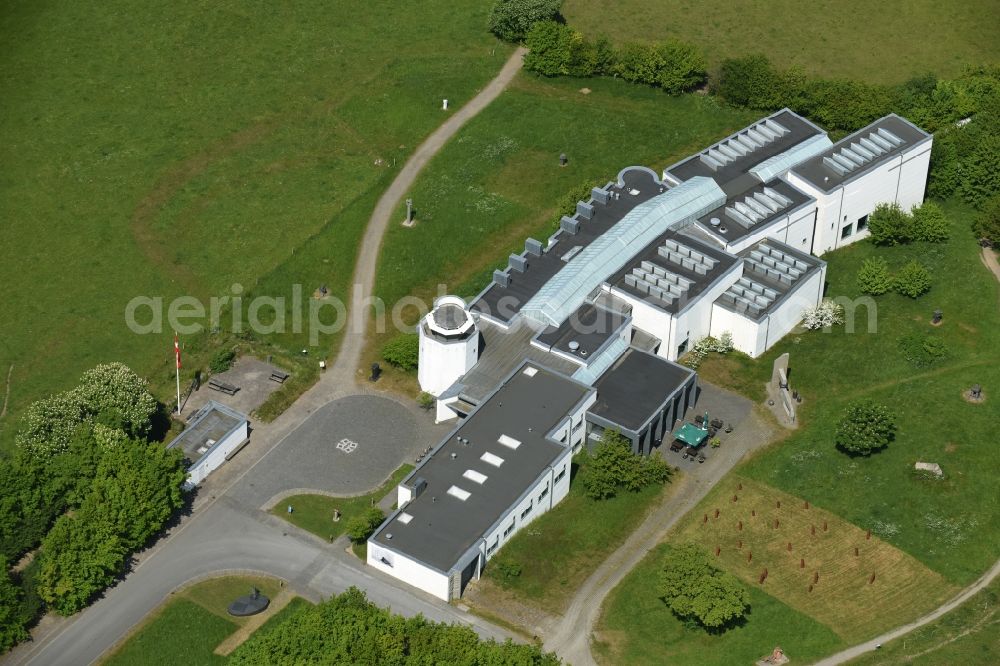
(346, 447)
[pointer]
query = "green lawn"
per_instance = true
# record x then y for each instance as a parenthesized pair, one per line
(314, 513)
(188, 627)
(499, 180)
(952, 525)
(191, 146)
(637, 628)
(967, 635)
(875, 41)
(561, 548)
(182, 633)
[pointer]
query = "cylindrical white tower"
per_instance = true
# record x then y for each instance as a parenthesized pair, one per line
(449, 344)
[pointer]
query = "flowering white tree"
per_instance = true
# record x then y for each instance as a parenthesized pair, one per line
(823, 315)
(115, 387)
(48, 424)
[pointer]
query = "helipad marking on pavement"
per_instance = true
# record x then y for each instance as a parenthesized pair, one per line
(347, 446)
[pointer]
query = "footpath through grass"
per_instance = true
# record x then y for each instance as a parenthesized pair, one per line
(967, 636)
(186, 147)
(188, 627)
(561, 548)
(499, 181)
(314, 513)
(882, 42)
(953, 524)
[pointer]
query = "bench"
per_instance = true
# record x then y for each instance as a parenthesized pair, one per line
(219, 385)
(279, 376)
(676, 445)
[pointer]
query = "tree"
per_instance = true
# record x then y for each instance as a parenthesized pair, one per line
(614, 467)
(48, 424)
(912, 280)
(403, 351)
(873, 277)
(987, 224)
(844, 104)
(890, 225)
(510, 20)
(929, 223)
(693, 588)
(12, 629)
(115, 387)
(752, 82)
(359, 528)
(865, 427)
(682, 66)
(638, 63)
(551, 46)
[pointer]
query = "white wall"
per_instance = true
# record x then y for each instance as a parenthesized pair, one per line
(748, 335)
(442, 363)
(217, 455)
(780, 322)
(572, 430)
(408, 571)
(695, 322)
(795, 229)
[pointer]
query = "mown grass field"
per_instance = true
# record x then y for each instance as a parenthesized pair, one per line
(314, 513)
(843, 598)
(637, 628)
(561, 548)
(499, 181)
(189, 627)
(967, 635)
(884, 42)
(951, 525)
(186, 147)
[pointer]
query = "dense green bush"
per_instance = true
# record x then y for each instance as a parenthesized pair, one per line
(694, 588)
(613, 467)
(840, 104)
(929, 223)
(359, 528)
(987, 224)
(222, 360)
(912, 280)
(890, 225)
(873, 277)
(403, 351)
(672, 65)
(865, 427)
(349, 629)
(511, 20)
(752, 82)
(12, 629)
(551, 48)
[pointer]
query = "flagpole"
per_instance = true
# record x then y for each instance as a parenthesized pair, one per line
(177, 359)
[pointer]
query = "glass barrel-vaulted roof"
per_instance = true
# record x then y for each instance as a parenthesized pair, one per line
(797, 154)
(568, 288)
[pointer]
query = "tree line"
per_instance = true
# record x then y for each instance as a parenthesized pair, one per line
(84, 489)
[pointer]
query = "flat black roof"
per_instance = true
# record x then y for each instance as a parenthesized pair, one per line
(698, 282)
(525, 409)
(590, 327)
(819, 172)
(637, 385)
(765, 268)
(503, 303)
(731, 228)
(733, 177)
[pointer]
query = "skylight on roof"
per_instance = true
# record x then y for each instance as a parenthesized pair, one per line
(405, 518)
(473, 475)
(530, 371)
(455, 491)
(488, 457)
(509, 442)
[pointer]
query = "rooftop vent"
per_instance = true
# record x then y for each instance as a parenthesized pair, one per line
(454, 455)
(405, 518)
(715, 221)
(388, 535)
(875, 144)
(573, 345)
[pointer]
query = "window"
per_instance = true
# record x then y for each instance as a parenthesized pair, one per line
(682, 347)
(527, 510)
(561, 474)
(544, 492)
(846, 231)
(506, 532)
(578, 426)
(496, 542)
(862, 223)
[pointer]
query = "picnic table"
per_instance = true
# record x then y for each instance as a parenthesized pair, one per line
(219, 385)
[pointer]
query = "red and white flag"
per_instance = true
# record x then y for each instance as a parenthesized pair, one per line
(177, 350)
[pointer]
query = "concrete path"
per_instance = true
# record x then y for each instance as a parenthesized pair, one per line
(224, 534)
(346, 369)
(873, 644)
(570, 638)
